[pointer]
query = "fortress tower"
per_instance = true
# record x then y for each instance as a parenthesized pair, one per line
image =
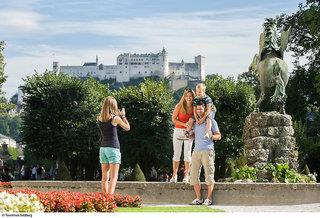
(200, 60)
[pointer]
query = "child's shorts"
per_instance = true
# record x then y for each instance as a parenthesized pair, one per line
(110, 155)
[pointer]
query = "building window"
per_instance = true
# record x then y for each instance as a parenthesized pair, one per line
(139, 72)
(120, 71)
(145, 71)
(151, 72)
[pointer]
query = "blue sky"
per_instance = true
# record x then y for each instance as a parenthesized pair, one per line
(226, 32)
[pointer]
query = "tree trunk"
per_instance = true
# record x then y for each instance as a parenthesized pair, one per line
(73, 168)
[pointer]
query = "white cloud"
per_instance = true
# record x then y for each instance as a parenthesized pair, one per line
(19, 21)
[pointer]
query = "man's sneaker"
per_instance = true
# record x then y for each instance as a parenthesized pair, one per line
(185, 179)
(207, 202)
(174, 179)
(197, 201)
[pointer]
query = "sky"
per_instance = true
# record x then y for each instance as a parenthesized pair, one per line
(226, 32)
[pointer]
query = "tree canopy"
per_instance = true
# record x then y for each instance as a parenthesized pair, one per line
(149, 142)
(59, 117)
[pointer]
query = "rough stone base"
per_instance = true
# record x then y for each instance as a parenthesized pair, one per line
(268, 138)
(180, 193)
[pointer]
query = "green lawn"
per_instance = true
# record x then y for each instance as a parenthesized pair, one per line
(168, 209)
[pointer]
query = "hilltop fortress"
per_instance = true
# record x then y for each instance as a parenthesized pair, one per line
(131, 66)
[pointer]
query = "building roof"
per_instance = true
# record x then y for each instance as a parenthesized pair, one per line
(172, 64)
(90, 64)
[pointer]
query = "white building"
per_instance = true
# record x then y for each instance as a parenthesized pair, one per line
(130, 66)
(10, 142)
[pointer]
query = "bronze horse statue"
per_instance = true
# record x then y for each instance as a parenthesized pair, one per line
(270, 66)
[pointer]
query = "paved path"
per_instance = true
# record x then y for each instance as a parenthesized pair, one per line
(281, 208)
(250, 209)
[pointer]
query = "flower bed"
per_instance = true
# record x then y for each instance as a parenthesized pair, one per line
(5, 185)
(127, 201)
(65, 201)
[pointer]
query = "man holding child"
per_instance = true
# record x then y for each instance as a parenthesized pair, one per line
(203, 155)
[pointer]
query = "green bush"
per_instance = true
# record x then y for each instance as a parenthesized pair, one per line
(137, 174)
(277, 172)
(63, 172)
(235, 163)
(246, 173)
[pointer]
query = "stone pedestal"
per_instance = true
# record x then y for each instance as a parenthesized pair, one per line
(268, 138)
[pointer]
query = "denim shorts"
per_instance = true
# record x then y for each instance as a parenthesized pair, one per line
(110, 155)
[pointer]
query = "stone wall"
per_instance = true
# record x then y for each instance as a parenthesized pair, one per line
(180, 193)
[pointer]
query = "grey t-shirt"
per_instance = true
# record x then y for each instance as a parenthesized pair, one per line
(202, 143)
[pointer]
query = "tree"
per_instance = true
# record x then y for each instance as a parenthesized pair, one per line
(249, 78)
(303, 87)
(59, 119)
(305, 28)
(149, 142)
(4, 105)
(3, 77)
(234, 102)
(317, 85)
(298, 91)
(10, 126)
(305, 43)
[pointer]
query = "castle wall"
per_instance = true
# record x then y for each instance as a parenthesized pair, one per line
(80, 71)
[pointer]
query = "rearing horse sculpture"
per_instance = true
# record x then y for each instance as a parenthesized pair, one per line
(270, 66)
